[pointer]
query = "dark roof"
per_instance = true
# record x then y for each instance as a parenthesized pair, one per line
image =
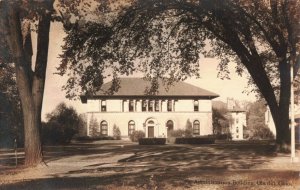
(136, 87)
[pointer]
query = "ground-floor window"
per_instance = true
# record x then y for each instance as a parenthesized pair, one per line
(170, 124)
(196, 127)
(103, 128)
(131, 127)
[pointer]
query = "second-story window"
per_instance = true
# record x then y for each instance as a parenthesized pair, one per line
(169, 105)
(150, 105)
(103, 105)
(131, 105)
(156, 105)
(144, 105)
(196, 105)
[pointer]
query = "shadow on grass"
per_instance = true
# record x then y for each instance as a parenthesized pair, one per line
(149, 167)
(169, 180)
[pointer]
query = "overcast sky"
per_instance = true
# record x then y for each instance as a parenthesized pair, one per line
(208, 71)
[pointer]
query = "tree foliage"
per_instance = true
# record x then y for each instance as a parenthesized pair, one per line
(63, 123)
(11, 126)
(256, 121)
(166, 37)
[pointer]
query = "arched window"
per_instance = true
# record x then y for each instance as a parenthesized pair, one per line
(170, 124)
(150, 122)
(103, 128)
(131, 127)
(196, 127)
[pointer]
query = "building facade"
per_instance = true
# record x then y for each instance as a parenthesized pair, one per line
(238, 120)
(130, 109)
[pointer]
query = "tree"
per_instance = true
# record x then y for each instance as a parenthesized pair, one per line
(63, 123)
(256, 121)
(10, 108)
(116, 132)
(16, 34)
(168, 36)
(16, 21)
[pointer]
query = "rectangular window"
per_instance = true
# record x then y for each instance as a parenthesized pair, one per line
(103, 105)
(156, 105)
(150, 105)
(144, 105)
(131, 105)
(169, 105)
(196, 105)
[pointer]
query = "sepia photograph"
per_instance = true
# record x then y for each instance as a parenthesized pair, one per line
(150, 94)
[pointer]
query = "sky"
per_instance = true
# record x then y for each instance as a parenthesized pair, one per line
(54, 94)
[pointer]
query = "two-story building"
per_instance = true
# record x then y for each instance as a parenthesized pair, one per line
(238, 119)
(130, 109)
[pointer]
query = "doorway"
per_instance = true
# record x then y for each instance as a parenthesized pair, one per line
(150, 128)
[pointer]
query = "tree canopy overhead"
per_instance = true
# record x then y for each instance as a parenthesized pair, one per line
(168, 36)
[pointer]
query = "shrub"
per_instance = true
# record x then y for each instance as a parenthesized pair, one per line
(188, 129)
(136, 135)
(116, 133)
(195, 140)
(261, 132)
(152, 141)
(63, 123)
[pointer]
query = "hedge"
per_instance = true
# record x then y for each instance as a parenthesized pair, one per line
(195, 140)
(152, 141)
(87, 138)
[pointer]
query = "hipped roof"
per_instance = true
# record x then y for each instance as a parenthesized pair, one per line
(136, 87)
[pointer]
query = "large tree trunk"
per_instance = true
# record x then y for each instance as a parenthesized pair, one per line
(283, 136)
(30, 84)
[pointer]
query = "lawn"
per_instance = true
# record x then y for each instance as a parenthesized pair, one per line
(126, 165)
